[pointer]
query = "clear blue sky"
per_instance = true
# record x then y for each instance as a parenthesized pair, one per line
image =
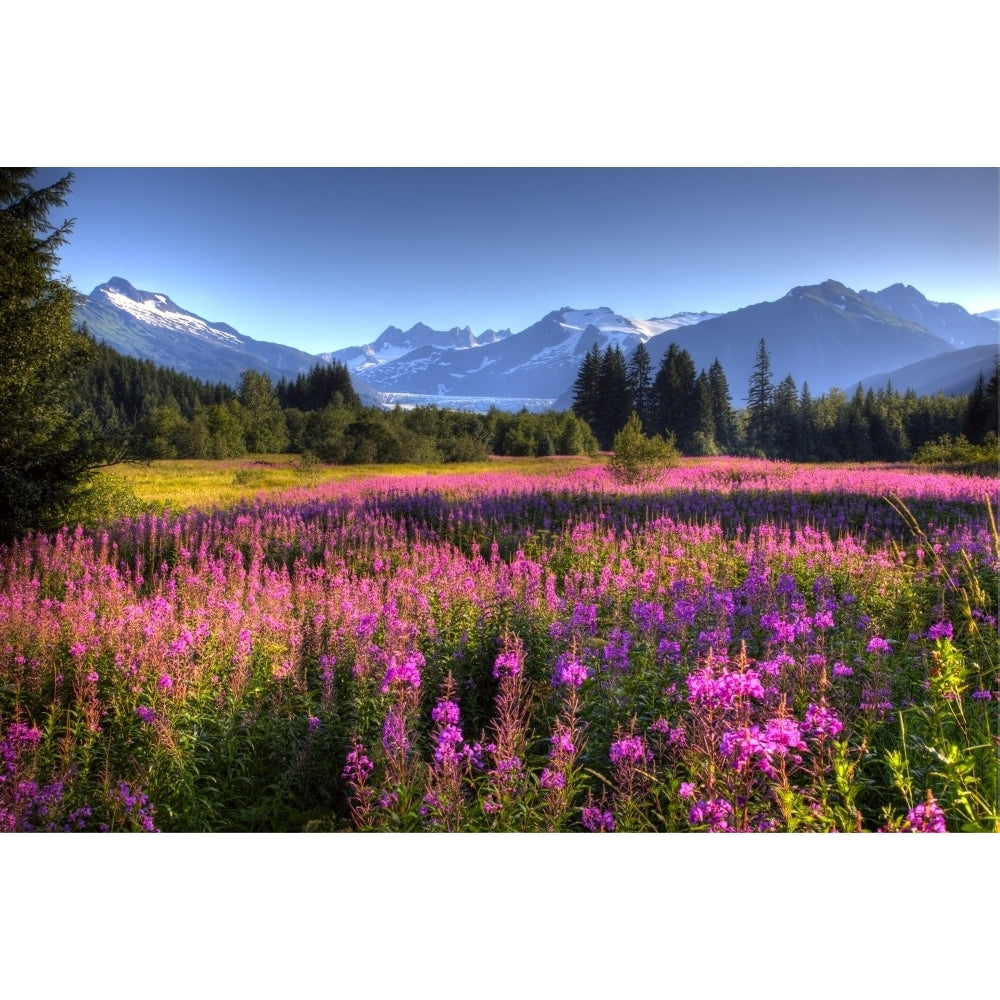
(323, 258)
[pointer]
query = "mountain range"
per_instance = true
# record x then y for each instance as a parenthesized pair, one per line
(825, 335)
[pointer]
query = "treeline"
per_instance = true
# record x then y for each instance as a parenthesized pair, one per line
(779, 421)
(154, 412)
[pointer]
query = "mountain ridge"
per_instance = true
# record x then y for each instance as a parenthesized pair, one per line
(824, 335)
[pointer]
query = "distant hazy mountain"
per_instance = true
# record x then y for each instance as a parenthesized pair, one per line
(954, 373)
(946, 319)
(826, 335)
(149, 325)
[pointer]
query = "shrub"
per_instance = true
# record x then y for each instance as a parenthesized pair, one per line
(638, 458)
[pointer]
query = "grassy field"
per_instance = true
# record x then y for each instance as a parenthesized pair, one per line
(185, 484)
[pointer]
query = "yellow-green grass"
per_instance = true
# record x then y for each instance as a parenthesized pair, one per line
(184, 484)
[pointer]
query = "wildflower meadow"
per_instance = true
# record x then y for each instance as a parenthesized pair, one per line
(731, 646)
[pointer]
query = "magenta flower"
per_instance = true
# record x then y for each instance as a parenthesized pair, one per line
(597, 820)
(446, 713)
(941, 630)
(878, 645)
(552, 780)
(402, 674)
(165, 683)
(629, 751)
(821, 721)
(928, 817)
(508, 662)
(570, 671)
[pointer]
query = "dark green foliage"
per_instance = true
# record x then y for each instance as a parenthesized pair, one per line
(587, 388)
(638, 458)
(264, 423)
(639, 382)
(47, 451)
(323, 386)
(677, 398)
(760, 404)
(615, 405)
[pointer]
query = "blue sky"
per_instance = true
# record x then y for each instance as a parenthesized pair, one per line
(326, 257)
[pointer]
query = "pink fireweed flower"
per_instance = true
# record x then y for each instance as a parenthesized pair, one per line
(165, 683)
(821, 721)
(146, 714)
(448, 739)
(878, 646)
(445, 712)
(941, 630)
(357, 766)
(714, 814)
(928, 817)
(686, 790)
(509, 660)
(394, 737)
(823, 619)
(722, 690)
(570, 671)
(402, 674)
(562, 744)
(629, 751)
(93, 677)
(552, 781)
(597, 820)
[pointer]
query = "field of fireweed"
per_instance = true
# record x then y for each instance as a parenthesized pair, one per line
(739, 646)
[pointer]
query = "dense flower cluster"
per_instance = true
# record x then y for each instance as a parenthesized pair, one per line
(715, 650)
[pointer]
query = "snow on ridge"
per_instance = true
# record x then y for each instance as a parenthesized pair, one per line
(152, 311)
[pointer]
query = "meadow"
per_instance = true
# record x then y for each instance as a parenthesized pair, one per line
(737, 645)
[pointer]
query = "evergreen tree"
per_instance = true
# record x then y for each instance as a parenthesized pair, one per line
(805, 435)
(981, 412)
(613, 396)
(785, 417)
(639, 382)
(587, 388)
(760, 400)
(266, 430)
(676, 399)
(47, 455)
(723, 418)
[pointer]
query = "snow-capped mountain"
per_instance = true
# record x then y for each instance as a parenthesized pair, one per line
(151, 326)
(535, 364)
(394, 343)
(825, 335)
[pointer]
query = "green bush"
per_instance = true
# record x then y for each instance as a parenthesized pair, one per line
(638, 458)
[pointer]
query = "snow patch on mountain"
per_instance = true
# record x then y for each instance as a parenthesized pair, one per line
(156, 310)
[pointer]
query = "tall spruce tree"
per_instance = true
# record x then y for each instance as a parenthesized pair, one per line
(760, 403)
(676, 398)
(587, 388)
(639, 382)
(722, 409)
(47, 454)
(614, 407)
